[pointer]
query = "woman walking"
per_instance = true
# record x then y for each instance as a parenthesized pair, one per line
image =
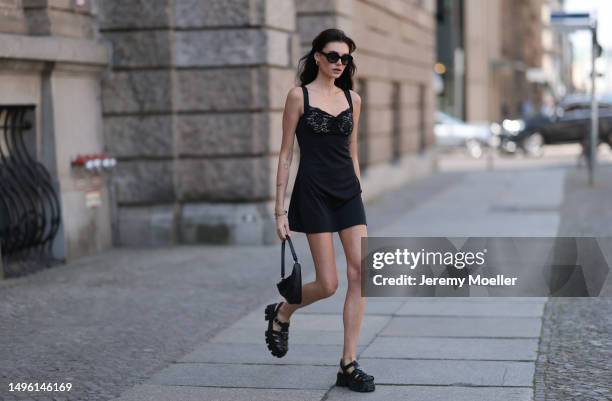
(324, 114)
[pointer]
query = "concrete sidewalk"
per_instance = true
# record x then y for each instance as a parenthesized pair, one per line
(418, 348)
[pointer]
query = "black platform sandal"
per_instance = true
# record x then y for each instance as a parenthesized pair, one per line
(278, 341)
(356, 380)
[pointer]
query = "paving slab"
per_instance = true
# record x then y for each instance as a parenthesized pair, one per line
(449, 372)
(469, 308)
(374, 306)
(302, 336)
(453, 348)
(477, 348)
(477, 299)
(151, 392)
(237, 375)
(299, 354)
(446, 215)
(310, 321)
(432, 393)
(496, 200)
(453, 326)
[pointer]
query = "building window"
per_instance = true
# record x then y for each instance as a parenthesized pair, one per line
(422, 124)
(396, 128)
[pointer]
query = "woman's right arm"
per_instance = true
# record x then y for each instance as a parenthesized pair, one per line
(291, 115)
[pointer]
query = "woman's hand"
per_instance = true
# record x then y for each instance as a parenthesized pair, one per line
(282, 226)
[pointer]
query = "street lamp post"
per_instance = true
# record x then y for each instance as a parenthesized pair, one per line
(594, 107)
(571, 22)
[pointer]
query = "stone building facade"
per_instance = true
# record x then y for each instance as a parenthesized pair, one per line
(188, 96)
(52, 62)
(193, 107)
(523, 25)
(512, 58)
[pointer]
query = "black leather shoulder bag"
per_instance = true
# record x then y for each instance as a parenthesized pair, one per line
(291, 286)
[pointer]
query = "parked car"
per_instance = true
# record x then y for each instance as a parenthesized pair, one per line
(452, 133)
(569, 123)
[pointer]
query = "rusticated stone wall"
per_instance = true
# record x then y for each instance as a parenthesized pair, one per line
(12, 19)
(64, 18)
(193, 107)
(70, 18)
(193, 110)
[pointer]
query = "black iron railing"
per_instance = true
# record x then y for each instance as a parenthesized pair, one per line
(29, 206)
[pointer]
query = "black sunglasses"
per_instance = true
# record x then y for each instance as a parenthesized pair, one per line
(333, 57)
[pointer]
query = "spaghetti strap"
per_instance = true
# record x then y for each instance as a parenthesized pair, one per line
(305, 97)
(348, 96)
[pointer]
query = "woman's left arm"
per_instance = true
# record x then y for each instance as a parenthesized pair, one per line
(354, 148)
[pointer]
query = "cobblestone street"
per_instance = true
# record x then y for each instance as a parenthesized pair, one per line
(576, 347)
(186, 323)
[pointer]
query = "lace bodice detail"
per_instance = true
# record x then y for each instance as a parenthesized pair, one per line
(324, 123)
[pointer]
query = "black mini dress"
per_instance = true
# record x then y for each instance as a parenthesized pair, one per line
(326, 195)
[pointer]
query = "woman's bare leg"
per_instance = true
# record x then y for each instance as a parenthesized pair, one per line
(326, 280)
(354, 304)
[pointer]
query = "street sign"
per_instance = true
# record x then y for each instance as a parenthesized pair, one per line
(569, 22)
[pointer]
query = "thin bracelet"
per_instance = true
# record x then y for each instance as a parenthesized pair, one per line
(280, 214)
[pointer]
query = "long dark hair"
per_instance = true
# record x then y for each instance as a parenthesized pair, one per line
(307, 66)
